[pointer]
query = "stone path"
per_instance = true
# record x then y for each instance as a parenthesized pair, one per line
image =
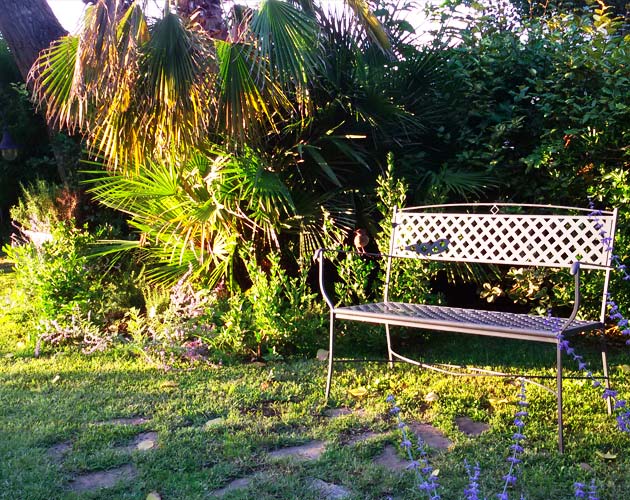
(145, 441)
(237, 484)
(96, 480)
(102, 479)
(470, 427)
(432, 436)
(308, 451)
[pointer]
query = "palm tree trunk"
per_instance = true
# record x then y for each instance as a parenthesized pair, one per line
(209, 14)
(28, 27)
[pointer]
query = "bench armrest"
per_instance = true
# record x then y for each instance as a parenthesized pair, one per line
(319, 258)
(575, 271)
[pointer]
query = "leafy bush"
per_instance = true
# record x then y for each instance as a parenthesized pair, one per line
(57, 276)
(73, 298)
(276, 316)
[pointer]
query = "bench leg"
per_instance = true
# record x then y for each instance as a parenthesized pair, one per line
(559, 398)
(330, 355)
(389, 346)
(606, 378)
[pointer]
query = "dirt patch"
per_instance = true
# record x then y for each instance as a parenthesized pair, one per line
(58, 451)
(144, 441)
(92, 481)
(360, 438)
(342, 412)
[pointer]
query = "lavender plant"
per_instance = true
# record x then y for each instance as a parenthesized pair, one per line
(581, 492)
(516, 448)
(620, 405)
(427, 480)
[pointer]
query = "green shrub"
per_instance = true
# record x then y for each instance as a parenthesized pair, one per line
(65, 290)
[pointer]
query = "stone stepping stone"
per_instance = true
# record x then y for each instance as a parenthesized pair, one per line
(329, 491)
(144, 441)
(432, 436)
(124, 421)
(237, 484)
(470, 427)
(58, 451)
(308, 451)
(97, 480)
(390, 459)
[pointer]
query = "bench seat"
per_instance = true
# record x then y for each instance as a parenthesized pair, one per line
(498, 234)
(472, 321)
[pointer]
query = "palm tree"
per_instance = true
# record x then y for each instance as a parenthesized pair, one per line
(216, 141)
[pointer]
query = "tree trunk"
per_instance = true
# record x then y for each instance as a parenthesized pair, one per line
(28, 26)
(208, 13)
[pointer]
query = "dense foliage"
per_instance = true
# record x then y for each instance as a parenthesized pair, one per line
(232, 160)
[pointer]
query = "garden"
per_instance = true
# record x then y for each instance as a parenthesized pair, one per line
(162, 333)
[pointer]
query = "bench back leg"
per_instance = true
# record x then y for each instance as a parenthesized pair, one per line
(390, 356)
(605, 368)
(559, 397)
(331, 342)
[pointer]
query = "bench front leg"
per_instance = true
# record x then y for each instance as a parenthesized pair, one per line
(559, 397)
(331, 343)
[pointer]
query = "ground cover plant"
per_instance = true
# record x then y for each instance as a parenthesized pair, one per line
(190, 362)
(216, 423)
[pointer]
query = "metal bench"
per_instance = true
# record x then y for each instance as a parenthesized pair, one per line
(494, 234)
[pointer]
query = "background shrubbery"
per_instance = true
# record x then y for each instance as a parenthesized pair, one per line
(515, 106)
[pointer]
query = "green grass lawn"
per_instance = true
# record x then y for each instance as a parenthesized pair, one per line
(70, 399)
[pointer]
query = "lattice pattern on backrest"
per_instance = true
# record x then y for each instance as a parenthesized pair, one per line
(531, 239)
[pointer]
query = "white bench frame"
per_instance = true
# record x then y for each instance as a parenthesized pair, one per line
(510, 234)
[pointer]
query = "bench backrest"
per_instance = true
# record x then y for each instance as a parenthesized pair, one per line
(511, 234)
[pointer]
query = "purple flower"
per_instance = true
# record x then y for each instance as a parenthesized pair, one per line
(592, 491)
(579, 490)
(427, 481)
(414, 464)
(510, 479)
(609, 393)
(472, 491)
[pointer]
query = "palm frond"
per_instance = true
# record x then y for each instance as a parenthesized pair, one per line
(463, 183)
(52, 77)
(372, 25)
(245, 106)
(287, 42)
